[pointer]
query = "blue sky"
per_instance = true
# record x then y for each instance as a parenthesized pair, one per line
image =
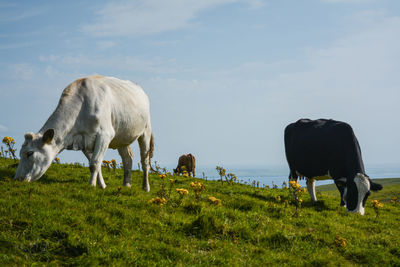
(224, 77)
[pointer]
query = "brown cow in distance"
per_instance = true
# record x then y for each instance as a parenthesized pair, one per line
(188, 161)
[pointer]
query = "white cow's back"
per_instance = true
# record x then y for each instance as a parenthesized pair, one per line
(96, 101)
(124, 102)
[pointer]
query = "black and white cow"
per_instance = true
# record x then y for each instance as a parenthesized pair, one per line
(328, 149)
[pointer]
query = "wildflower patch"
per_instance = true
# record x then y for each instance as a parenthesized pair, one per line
(214, 200)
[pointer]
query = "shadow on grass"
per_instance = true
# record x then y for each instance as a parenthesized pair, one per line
(47, 180)
(318, 206)
(205, 226)
(8, 172)
(270, 197)
(256, 194)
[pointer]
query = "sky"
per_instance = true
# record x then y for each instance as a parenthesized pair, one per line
(224, 77)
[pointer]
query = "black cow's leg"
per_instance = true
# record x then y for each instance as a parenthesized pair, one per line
(293, 175)
(340, 187)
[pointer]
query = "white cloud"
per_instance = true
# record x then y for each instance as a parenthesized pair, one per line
(256, 3)
(354, 79)
(22, 71)
(348, 1)
(48, 58)
(104, 45)
(153, 66)
(17, 45)
(51, 72)
(21, 13)
(3, 128)
(5, 4)
(142, 17)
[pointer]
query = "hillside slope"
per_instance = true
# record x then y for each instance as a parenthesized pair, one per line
(61, 220)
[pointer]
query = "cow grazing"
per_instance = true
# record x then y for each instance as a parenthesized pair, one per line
(188, 161)
(327, 149)
(94, 113)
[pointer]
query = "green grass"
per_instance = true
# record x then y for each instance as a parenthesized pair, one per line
(61, 220)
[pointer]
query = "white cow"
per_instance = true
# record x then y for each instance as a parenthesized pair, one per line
(94, 113)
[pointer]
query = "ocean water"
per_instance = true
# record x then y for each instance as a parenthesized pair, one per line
(270, 175)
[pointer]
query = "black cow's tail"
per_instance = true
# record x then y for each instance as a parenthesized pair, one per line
(288, 143)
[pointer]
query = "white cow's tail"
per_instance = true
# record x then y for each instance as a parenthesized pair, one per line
(151, 146)
(151, 151)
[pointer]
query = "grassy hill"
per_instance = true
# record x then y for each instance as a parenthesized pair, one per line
(61, 220)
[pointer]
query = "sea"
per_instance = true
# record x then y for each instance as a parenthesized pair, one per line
(276, 175)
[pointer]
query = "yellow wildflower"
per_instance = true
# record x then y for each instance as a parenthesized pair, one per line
(182, 191)
(294, 184)
(162, 176)
(113, 164)
(8, 140)
(197, 185)
(340, 241)
(376, 204)
(215, 200)
(158, 201)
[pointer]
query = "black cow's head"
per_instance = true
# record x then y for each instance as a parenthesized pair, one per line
(356, 192)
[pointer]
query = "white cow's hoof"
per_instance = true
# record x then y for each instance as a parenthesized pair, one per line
(146, 188)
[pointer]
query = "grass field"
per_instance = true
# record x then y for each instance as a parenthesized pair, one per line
(61, 220)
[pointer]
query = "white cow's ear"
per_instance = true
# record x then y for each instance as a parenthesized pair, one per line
(48, 136)
(28, 136)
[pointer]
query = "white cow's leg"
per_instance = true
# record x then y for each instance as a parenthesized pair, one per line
(126, 155)
(99, 175)
(101, 180)
(93, 174)
(89, 157)
(100, 148)
(311, 189)
(144, 144)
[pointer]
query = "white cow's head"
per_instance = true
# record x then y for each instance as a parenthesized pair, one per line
(356, 192)
(37, 153)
